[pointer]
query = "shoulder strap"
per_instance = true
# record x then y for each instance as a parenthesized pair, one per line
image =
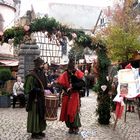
(36, 76)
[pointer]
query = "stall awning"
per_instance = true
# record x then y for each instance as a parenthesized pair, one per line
(9, 62)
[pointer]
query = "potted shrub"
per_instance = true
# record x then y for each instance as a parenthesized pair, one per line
(5, 74)
(4, 99)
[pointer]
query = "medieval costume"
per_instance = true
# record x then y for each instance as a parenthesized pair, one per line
(34, 86)
(72, 83)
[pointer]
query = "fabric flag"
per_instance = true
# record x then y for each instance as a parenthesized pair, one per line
(129, 66)
(119, 110)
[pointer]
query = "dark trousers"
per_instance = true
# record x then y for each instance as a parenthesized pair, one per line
(20, 98)
(87, 91)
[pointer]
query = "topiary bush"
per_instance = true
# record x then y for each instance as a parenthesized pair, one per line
(4, 93)
(5, 74)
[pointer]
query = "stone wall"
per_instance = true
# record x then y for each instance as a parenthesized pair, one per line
(27, 54)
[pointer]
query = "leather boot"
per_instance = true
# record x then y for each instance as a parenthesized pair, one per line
(41, 134)
(70, 131)
(35, 136)
(129, 109)
(133, 109)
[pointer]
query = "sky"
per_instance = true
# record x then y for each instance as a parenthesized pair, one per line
(41, 6)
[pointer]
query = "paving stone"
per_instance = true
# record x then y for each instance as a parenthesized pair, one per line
(13, 125)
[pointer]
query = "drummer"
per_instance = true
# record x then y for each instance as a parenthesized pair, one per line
(34, 86)
(49, 89)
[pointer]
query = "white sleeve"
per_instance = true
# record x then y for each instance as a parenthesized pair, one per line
(14, 89)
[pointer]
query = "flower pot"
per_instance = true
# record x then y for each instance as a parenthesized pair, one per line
(5, 101)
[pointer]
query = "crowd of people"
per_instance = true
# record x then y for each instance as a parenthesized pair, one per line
(70, 85)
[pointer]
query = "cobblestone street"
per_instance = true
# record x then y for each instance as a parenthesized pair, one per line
(13, 125)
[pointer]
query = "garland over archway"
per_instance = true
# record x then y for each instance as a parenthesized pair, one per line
(51, 26)
(81, 39)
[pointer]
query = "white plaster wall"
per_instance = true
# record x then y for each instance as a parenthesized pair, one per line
(6, 49)
(8, 16)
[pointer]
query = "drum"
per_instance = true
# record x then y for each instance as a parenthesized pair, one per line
(51, 103)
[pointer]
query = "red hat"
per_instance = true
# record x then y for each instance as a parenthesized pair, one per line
(129, 66)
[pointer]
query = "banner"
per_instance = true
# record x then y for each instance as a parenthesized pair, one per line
(128, 84)
(128, 87)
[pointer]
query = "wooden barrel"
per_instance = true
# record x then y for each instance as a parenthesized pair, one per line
(51, 103)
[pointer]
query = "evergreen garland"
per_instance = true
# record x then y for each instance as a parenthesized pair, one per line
(103, 98)
(53, 27)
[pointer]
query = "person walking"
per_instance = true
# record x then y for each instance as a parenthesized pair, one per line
(18, 93)
(35, 83)
(87, 82)
(71, 81)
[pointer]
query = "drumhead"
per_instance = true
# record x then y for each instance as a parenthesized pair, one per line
(51, 96)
